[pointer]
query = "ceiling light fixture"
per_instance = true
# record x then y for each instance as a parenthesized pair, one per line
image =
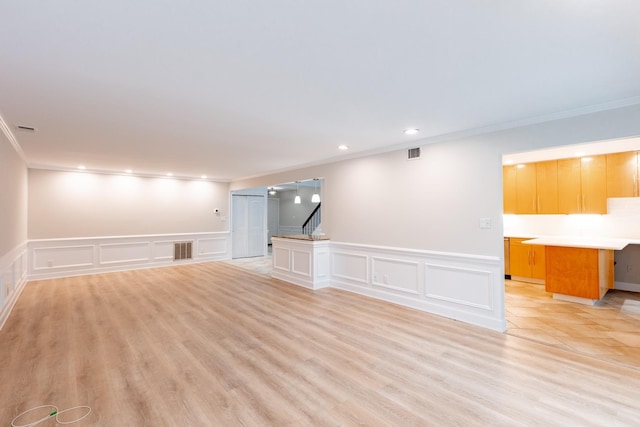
(343, 147)
(297, 199)
(316, 197)
(82, 167)
(411, 131)
(272, 191)
(203, 176)
(128, 171)
(169, 174)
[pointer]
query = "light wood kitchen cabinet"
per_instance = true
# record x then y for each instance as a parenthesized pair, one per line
(509, 190)
(622, 174)
(582, 185)
(547, 187)
(530, 188)
(579, 272)
(526, 261)
(526, 199)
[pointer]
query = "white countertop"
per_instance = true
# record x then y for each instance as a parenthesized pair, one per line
(582, 242)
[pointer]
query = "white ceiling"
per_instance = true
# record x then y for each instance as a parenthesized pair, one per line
(232, 89)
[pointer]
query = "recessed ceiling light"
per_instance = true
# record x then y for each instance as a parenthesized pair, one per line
(508, 162)
(169, 174)
(343, 147)
(411, 131)
(203, 176)
(82, 167)
(128, 171)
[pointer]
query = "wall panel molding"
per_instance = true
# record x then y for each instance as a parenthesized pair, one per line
(52, 258)
(459, 286)
(13, 277)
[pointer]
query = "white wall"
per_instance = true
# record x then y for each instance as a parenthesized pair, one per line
(435, 203)
(82, 204)
(13, 226)
(85, 223)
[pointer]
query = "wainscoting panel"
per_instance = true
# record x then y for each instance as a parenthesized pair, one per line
(402, 276)
(459, 286)
(301, 262)
(349, 266)
(163, 250)
(13, 277)
(456, 285)
(282, 259)
(214, 246)
(50, 258)
(116, 253)
(64, 255)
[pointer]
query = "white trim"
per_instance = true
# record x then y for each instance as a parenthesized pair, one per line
(464, 287)
(88, 255)
(460, 286)
(13, 278)
(624, 286)
(12, 139)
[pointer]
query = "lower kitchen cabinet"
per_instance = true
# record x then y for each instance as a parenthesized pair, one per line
(526, 261)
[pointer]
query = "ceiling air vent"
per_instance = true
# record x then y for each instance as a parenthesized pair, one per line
(413, 153)
(26, 128)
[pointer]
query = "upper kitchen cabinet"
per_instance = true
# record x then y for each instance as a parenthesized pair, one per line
(531, 188)
(509, 191)
(547, 187)
(582, 185)
(622, 174)
(526, 189)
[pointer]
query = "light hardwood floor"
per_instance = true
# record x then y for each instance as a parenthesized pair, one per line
(215, 345)
(609, 330)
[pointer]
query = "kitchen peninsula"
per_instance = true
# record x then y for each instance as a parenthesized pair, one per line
(301, 259)
(579, 269)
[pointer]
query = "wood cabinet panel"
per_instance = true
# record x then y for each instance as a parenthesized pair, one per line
(509, 189)
(526, 261)
(569, 186)
(526, 189)
(622, 174)
(582, 185)
(579, 272)
(547, 187)
(538, 266)
(593, 174)
(582, 263)
(519, 259)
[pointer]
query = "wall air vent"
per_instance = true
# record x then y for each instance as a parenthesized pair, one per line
(25, 128)
(182, 250)
(413, 153)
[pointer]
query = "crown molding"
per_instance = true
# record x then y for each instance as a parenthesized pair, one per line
(12, 139)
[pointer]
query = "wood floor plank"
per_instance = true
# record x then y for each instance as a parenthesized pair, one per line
(212, 344)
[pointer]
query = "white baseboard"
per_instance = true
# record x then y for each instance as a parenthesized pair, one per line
(623, 286)
(13, 277)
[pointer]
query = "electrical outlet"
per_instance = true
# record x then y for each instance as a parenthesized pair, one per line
(385, 279)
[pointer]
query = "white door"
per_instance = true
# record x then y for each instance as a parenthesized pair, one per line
(273, 217)
(248, 226)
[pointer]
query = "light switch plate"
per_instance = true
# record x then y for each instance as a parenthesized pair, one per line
(485, 222)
